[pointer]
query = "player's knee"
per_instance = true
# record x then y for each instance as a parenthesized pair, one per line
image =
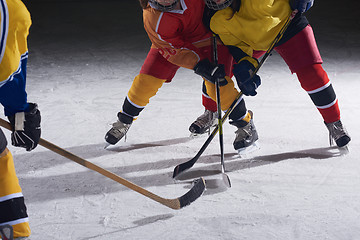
(143, 88)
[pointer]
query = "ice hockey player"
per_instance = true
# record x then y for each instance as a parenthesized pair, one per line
(179, 39)
(24, 117)
(248, 27)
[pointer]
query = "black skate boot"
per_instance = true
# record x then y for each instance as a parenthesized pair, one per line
(119, 129)
(338, 133)
(246, 136)
(6, 232)
(203, 122)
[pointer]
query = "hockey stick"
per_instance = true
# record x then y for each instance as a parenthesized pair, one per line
(220, 125)
(195, 192)
(186, 165)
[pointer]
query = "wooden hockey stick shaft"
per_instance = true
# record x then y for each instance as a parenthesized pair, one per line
(176, 203)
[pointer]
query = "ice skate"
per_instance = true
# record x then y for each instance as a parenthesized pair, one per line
(117, 132)
(6, 232)
(203, 123)
(246, 136)
(338, 133)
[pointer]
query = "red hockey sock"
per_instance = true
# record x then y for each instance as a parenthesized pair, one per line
(315, 82)
(208, 103)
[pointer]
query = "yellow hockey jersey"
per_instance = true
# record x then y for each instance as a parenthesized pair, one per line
(15, 22)
(254, 26)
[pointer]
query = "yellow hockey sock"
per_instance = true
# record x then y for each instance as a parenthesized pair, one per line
(11, 196)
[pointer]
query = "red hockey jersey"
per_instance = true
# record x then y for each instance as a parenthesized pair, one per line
(179, 34)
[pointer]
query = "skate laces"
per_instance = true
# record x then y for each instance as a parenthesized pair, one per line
(119, 129)
(336, 131)
(243, 132)
(207, 119)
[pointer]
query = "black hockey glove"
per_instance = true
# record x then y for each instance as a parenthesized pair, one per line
(301, 5)
(211, 71)
(243, 72)
(26, 128)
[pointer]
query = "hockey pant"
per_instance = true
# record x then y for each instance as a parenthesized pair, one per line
(303, 58)
(12, 205)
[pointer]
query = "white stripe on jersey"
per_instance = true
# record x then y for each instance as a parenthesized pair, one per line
(4, 27)
(24, 56)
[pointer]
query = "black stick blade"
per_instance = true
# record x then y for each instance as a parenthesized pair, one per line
(194, 193)
(184, 166)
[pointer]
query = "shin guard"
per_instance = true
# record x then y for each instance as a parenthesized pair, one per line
(207, 102)
(228, 93)
(315, 82)
(12, 205)
(142, 89)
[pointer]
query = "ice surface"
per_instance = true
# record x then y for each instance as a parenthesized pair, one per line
(83, 58)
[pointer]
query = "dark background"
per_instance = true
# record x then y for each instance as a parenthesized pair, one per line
(76, 26)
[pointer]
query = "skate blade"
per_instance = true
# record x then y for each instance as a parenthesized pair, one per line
(248, 150)
(106, 145)
(344, 150)
(206, 133)
(195, 135)
(198, 135)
